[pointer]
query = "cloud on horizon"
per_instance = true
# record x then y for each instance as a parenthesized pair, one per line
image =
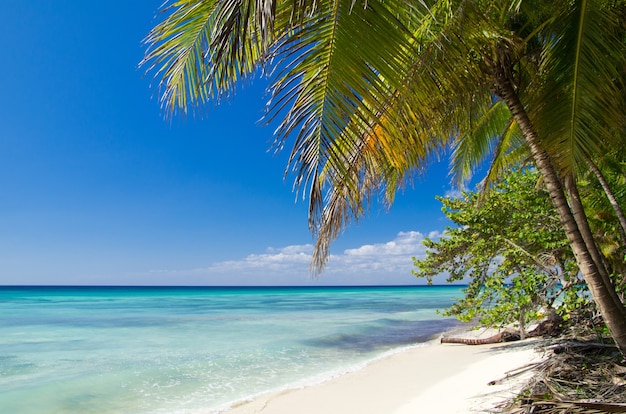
(380, 263)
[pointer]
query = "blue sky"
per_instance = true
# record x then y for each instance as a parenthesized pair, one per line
(96, 187)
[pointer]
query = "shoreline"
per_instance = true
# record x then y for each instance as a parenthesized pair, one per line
(428, 377)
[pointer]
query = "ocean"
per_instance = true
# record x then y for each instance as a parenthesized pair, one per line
(173, 350)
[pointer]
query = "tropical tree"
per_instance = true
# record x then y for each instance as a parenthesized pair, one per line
(510, 249)
(370, 91)
(617, 170)
(603, 189)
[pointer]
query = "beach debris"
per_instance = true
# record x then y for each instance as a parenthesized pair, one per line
(504, 336)
(515, 372)
(551, 325)
(578, 377)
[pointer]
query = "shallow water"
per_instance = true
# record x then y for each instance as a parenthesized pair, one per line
(189, 350)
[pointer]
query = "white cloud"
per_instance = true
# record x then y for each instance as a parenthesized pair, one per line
(381, 263)
(392, 258)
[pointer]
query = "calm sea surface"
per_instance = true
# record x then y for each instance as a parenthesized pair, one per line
(193, 350)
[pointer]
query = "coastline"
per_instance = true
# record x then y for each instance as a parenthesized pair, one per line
(442, 378)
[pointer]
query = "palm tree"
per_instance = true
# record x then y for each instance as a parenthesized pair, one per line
(618, 172)
(603, 186)
(371, 91)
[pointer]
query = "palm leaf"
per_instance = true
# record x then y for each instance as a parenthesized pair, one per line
(202, 48)
(335, 72)
(581, 91)
(177, 47)
(485, 136)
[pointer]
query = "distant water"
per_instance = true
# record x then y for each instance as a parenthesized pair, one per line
(192, 350)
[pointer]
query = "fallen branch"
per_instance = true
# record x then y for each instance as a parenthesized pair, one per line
(516, 372)
(580, 346)
(505, 336)
(604, 407)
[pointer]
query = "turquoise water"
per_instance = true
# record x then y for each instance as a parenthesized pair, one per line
(195, 350)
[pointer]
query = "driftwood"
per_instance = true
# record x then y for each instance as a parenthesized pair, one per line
(505, 336)
(549, 326)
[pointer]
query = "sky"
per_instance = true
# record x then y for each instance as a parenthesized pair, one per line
(97, 187)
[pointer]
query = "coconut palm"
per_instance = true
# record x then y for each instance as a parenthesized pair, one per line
(603, 187)
(370, 91)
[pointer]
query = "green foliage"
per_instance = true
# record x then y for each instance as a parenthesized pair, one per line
(510, 248)
(575, 301)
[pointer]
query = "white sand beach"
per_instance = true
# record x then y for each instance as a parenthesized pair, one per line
(435, 378)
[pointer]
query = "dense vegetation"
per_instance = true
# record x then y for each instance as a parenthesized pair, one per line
(510, 249)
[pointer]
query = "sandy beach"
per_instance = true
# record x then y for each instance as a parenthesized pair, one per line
(434, 378)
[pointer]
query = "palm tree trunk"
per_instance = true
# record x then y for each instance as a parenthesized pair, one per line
(585, 231)
(621, 218)
(612, 313)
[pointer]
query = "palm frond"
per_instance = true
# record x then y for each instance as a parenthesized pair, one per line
(506, 156)
(176, 50)
(439, 87)
(484, 137)
(202, 48)
(335, 73)
(581, 94)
